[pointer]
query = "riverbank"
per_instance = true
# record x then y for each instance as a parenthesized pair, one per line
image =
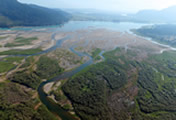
(75, 49)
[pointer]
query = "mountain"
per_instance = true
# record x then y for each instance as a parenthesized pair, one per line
(165, 15)
(14, 13)
(96, 15)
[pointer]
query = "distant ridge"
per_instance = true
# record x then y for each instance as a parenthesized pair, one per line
(13, 13)
(165, 15)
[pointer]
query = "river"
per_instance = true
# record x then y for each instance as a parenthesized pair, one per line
(72, 26)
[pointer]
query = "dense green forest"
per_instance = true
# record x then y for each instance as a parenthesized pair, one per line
(121, 87)
(46, 69)
(92, 91)
(26, 78)
(157, 83)
(161, 33)
(13, 13)
(16, 103)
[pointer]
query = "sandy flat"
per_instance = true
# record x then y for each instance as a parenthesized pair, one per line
(108, 40)
(47, 87)
(44, 39)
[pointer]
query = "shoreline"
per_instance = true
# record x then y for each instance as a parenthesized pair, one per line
(46, 86)
(108, 26)
(152, 40)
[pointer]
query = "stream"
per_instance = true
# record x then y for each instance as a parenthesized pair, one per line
(52, 106)
(72, 26)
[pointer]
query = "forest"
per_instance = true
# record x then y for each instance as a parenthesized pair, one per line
(29, 15)
(165, 33)
(16, 103)
(120, 87)
(46, 69)
(157, 83)
(90, 91)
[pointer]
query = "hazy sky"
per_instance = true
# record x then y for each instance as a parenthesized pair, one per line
(111, 5)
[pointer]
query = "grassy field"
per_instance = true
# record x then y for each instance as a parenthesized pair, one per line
(21, 41)
(21, 52)
(3, 37)
(8, 63)
(5, 67)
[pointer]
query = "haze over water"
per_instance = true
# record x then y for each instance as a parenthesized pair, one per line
(129, 6)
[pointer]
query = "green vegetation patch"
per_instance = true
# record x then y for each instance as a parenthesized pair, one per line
(1, 37)
(21, 41)
(58, 94)
(26, 78)
(9, 63)
(89, 89)
(16, 104)
(48, 68)
(28, 62)
(21, 52)
(5, 66)
(161, 33)
(45, 114)
(157, 83)
(95, 53)
(13, 59)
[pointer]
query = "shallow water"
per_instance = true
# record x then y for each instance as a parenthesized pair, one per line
(79, 25)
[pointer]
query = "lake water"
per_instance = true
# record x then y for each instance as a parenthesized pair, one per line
(122, 26)
(78, 25)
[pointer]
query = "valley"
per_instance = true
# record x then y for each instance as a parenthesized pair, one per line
(85, 73)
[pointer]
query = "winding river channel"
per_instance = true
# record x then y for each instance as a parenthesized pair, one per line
(72, 26)
(52, 106)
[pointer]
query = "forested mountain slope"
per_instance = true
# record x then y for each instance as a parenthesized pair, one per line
(13, 13)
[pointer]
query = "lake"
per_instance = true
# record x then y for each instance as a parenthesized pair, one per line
(78, 25)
